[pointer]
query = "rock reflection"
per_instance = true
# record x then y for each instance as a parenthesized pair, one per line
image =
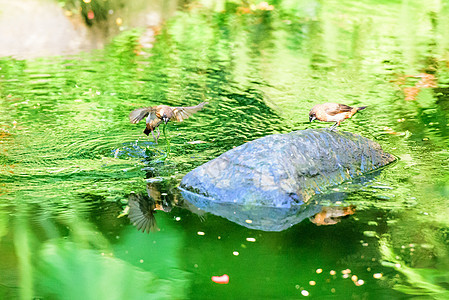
(163, 196)
(324, 210)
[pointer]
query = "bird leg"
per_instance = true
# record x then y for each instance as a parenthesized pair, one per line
(158, 134)
(167, 140)
(155, 139)
(333, 126)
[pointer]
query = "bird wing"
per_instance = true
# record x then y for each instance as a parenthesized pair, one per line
(138, 114)
(182, 113)
(141, 213)
(338, 108)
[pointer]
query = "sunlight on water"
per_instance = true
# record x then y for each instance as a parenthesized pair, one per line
(70, 159)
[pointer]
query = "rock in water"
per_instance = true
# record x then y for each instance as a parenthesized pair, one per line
(284, 170)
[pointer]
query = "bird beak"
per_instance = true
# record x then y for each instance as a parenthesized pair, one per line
(166, 120)
(311, 118)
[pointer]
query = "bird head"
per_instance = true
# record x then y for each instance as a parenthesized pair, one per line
(312, 117)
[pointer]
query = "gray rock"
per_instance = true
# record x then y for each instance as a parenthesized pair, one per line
(284, 170)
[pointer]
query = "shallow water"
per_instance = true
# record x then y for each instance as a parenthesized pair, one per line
(69, 158)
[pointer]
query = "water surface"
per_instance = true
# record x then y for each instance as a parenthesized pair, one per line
(69, 159)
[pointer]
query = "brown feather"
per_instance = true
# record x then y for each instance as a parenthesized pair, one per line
(182, 113)
(138, 114)
(339, 108)
(157, 115)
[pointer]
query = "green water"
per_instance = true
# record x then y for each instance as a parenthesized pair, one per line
(69, 158)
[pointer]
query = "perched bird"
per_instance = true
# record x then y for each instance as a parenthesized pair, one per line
(162, 113)
(333, 112)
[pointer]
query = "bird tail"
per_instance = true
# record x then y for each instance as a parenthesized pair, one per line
(361, 107)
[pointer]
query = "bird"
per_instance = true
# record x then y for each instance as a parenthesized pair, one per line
(159, 114)
(333, 112)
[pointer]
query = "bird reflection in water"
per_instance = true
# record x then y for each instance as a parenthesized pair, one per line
(142, 207)
(332, 215)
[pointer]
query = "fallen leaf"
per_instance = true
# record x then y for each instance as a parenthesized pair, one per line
(223, 279)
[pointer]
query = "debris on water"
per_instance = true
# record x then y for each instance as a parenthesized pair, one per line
(305, 293)
(319, 271)
(387, 264)
(124, 212)
(154, 179)
(235, 253)
(250, 239)
(200, 233)
(196, 142)
(377, 275)
(382, 187)
(359, 282)
(223, 279)
(427, 246)
(369, 233)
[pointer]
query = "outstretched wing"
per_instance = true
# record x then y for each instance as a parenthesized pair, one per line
(338, 108)
(182, 113)
(138, 114)
(141, 213)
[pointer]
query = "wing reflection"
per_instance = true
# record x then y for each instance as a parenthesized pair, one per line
(143, 206)
(141, 212)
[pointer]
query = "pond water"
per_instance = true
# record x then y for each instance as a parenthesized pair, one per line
(69, 158)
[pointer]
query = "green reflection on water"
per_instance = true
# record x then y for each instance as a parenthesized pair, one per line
(69, 158)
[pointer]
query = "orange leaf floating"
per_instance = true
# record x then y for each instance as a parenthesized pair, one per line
(224, 279)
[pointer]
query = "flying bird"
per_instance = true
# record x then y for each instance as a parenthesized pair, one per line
(333, 112)
(162, 113)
